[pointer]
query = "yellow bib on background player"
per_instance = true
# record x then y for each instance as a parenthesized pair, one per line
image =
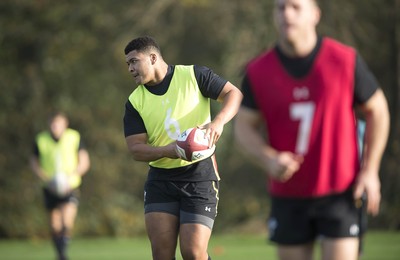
(60, 156)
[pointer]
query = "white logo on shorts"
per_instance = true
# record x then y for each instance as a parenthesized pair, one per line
(208, 209)
(354, 230)
(272, 225)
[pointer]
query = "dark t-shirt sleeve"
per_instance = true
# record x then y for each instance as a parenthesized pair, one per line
(133, 122)
(35, 149)
(248, 97)
(365, 83)
(210, 84)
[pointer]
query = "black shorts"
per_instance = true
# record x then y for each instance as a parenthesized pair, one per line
(299, 221)
(191, 202)
(52, 201)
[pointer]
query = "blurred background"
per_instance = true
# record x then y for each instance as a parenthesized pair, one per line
(68, 55)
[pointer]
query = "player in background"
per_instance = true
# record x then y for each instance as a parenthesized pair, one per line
(303, 93)
(180, 197)
(60, 151)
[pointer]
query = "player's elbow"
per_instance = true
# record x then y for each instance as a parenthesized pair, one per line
(239, 130)
(137, 154)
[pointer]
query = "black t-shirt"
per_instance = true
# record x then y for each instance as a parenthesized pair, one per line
(210, 85)
(365, 83)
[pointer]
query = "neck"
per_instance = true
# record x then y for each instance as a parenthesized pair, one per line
(300, 48)
(159, 74)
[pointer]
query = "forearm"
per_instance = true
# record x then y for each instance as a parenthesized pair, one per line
(37, 170)
(148, 153)
(376, 134)
(253, 145)
(230, 106)
(83, 163)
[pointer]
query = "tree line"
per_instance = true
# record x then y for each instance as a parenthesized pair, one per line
(68, 55)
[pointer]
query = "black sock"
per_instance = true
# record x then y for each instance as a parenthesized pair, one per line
(64, 245)
(61, 243)
(58, 244)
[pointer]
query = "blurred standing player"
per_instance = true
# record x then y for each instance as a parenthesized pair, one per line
(304, 92)
(59, 152)
(181, 197)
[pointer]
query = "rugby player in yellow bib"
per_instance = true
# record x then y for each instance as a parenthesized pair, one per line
(180, 197)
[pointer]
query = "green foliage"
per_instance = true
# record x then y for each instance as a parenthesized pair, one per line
(68, 55)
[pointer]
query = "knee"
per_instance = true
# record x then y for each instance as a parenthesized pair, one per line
(163, 252)
(194, 254)
(56, 229)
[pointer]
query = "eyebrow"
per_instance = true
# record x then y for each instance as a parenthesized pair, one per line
(131, 59)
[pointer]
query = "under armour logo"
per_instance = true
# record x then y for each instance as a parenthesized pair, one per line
(165, 102)
(208, 209)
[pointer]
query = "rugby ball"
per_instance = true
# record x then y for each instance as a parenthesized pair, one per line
(192, 145)
(59, 185)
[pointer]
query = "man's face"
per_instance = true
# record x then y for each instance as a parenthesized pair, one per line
(295, 18)
(140, 65)
(58, 125)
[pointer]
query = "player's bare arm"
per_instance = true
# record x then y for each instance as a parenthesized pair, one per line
(142, 151)
(377, 130)
(230, 97)
(83, 162)
(279, 165)
(247, 124)
(35, 166)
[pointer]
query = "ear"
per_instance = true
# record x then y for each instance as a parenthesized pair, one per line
(153, 58)
(317, 16)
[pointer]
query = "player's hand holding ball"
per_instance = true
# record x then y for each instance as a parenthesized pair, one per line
(193, 145)
(59, 184)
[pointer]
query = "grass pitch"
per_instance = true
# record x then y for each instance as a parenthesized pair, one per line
(378, 245)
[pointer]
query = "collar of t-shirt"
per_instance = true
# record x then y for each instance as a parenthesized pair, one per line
(162, 87)
(299, 67)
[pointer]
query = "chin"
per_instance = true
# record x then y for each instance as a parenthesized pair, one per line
(288, 39)
(139, 82)
(288, 35)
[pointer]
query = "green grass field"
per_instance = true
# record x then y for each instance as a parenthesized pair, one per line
(378, 246)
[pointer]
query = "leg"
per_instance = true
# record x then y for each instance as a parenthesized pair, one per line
(340, 227)
(162, 230)
(55, 219)
(298, 252)
(69, 211)
(290, 227)
(52, 203)
(197, 215)
(56, 228)
(339, 249)
(63, 219)
(193, 240)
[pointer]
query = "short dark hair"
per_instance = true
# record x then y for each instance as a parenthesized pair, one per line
(55, 114)
(142, 44)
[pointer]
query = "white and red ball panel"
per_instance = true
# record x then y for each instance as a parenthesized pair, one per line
(60, 185)
(192, 145)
